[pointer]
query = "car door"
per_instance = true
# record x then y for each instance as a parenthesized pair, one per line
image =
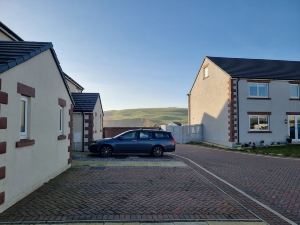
(126, 143)
(144, 141)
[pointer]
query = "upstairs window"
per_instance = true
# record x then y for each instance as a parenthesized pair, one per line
(24, 117)
(294, 91)
(206, 72)
(258, 90)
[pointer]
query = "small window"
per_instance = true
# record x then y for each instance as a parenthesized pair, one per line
(258, 122)
(206, 72)
(61, 119)
(258, 90)
(24, 117)
(294, 90)
(161, 135)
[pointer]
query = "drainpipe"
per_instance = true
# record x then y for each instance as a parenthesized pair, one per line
(189, 110)
(237, 110)
(82, 147)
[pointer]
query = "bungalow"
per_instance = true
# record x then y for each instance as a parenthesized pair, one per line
(246, 100)
(88, 120)
(35, 121)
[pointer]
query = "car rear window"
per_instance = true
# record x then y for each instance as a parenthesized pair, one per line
(161, 135)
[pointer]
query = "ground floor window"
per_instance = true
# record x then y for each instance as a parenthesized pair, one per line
(258, 122)
(294, 127)
(61, 119)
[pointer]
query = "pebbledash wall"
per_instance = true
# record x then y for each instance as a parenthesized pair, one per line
(278, 106)
(24, 166)
(211, 103)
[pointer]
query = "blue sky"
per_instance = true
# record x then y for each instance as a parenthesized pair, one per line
(146, 53)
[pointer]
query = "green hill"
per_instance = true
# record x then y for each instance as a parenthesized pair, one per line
(145, 117)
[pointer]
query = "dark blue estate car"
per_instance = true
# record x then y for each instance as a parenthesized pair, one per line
(154, 142)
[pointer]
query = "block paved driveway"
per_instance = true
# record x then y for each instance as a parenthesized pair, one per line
(273, 181)
(128, 189)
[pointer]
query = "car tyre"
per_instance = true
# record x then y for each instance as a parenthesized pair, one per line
(106, 151)
(157, 151)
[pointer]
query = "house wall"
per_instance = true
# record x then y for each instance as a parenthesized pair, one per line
(98, 121)
(4, 36)
(27, 168)
(77, 131)
(73, 87)
(208, 104)
(278, 105)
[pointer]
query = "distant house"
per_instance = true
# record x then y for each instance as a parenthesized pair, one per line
(73, 85)
(34, 119)
(246, 100)
(88, 119)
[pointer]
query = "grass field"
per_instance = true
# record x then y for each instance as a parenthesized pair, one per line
(144, 117)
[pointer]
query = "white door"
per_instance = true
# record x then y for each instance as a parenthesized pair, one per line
(294, 127)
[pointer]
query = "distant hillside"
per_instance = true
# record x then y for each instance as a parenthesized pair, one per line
(146, 117)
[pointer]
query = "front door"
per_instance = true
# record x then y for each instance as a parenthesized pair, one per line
(294, 127)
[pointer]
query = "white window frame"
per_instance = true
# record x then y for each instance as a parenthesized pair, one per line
(205, 72)
(295, 97)
(61, 120)
(24, 135)
(268, 117)
(257, 85)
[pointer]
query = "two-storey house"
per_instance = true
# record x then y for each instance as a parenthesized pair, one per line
(246, 100)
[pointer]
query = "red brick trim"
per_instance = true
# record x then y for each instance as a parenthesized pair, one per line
(3, 123)
(69, 148)
(259, 113)
(2, 197)
(292, 113)
(62, 102)
(2, 147)
(294, 82)
(254, 98)
(86, 128)
(25, 90)
(61, 137)
(24, 143)
(86, 135)
(232, 110)
(259, 81)
(3, 97)
(2, 172)
(259, 131)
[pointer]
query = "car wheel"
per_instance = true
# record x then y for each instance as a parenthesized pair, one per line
(157, 151)
(106, 151)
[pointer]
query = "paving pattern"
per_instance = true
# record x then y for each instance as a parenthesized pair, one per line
(273, 181)
(99, 190)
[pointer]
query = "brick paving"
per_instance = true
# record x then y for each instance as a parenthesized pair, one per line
(273, 181)
(127, 193)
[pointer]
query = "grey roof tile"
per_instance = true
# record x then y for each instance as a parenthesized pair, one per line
(259, 68)
(85, 102)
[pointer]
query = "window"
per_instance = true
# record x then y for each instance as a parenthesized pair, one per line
(145, 135)
(24, 117)
(128, 136)
(294, 90)
(206, 72)
(259, 122)
(258, 90)
(61, 119)
(161, 135)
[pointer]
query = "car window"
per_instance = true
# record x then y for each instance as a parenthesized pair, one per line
(145, 135)
(129, 135)
(161, 135)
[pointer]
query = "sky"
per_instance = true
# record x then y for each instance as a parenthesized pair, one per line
(146, 53)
